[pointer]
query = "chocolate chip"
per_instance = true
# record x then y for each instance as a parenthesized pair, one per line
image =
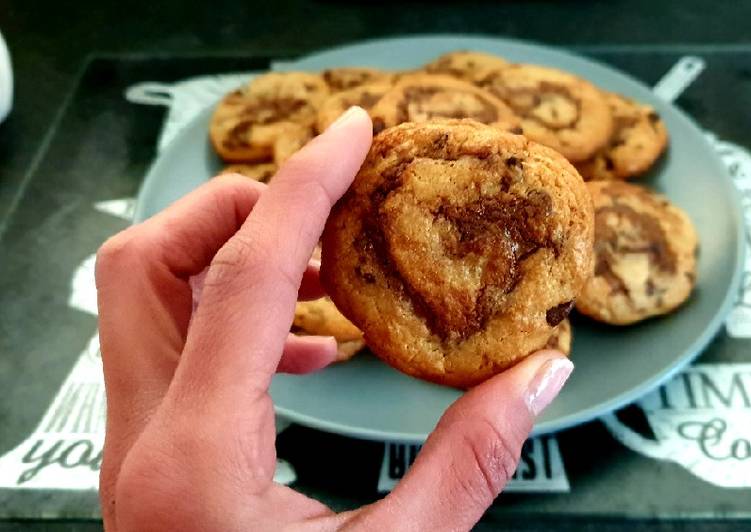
(609, 164)
(439, 143)
(653, 117)
(366, 276)
(378, 126)
(516, 130)
(558, 313)
(512, 162)
(368, 99)
(650, 287)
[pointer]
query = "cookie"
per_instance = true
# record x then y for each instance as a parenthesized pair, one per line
(458, 248)
(345, 78)
(259, 171)
(467, 65)
(639, 137)
(321, 317)
(645, 255)
(422, 97)
(291, 138)
(248, 121)
(364, 96)
(557, 109)
(560, 340)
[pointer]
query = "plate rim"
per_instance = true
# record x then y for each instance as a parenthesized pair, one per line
(581, 416)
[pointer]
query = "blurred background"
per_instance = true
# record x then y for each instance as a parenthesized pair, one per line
(49, 41)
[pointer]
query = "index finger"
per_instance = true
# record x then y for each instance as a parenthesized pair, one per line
(247, 306)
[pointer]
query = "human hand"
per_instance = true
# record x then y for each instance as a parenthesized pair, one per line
(190, 423)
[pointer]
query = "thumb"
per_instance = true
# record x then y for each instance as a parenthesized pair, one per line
(474, 449)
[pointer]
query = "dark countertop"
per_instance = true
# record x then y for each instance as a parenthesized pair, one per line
(51, 45)
(50, 40)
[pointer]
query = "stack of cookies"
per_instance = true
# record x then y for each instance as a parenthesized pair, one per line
(494, 200)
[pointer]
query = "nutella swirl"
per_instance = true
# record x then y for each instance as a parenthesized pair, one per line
(345, 78)
(639, 137)
(421, 104)
(491, 235)
(556, 108)
(467, 65)
(458, 249)
(552, 105)
(248, 121)
(644, 255)
(424, 97)
(365, 96)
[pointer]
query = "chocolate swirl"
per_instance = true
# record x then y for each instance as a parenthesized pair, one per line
(551, 105)
(424, 97)
(345, 78)
(621, 230)
(556, 108)
(244, 124)
(463, 233)
(645, 258)
(458, 248)
(421, 104)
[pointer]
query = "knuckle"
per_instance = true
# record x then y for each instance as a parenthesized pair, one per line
(304, 188)
(245, 262)
(489, 460)
(239, 254)
(119, 251)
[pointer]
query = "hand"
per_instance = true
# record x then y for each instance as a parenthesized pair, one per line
(190, 423)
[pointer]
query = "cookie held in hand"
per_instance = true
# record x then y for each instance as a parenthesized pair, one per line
(645, 255)
(458, 249)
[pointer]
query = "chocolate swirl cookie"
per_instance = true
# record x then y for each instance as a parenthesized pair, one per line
(422, 97)
(345, 78)
(458, 248)
(248, 121)
(365, 96)
(645, 255)
(557, 109)
(321, 317)
(257, 171)
(467, 65)
(639, 137)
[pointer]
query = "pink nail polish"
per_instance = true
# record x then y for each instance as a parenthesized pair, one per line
(546, 384)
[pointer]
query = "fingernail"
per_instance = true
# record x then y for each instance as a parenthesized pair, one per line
(348, 115)
(314, 264)
(316, 339)
(547, 383)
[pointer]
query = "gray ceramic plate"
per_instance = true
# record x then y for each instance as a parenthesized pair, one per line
(614, 366)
